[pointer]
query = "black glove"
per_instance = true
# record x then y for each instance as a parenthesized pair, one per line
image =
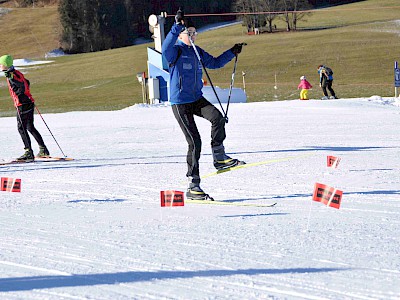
(179, 16)
(7, 74)
(237, 48)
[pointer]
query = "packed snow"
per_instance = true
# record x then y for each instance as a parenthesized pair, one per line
(23, 64)
(93, 228)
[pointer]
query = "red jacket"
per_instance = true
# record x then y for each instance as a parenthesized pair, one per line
(304, 84)
(18, 86)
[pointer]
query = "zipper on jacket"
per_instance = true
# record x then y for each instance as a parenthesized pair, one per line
(195, 75)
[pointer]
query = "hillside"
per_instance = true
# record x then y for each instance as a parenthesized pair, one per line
(360, 41)
(29, 32)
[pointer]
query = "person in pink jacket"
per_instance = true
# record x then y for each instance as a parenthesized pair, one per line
(304, 85)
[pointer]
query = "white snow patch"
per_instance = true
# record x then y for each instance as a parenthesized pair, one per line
(28, 62)
(93, 228)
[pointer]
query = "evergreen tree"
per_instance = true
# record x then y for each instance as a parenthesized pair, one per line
(93, 25)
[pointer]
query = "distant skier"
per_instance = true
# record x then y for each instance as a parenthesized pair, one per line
(18, 87)
(187, 98)
(325, 81)
(304, 85)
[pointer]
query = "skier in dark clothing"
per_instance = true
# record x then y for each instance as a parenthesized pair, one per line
(187, 98)
(325, 81)
(18, 86)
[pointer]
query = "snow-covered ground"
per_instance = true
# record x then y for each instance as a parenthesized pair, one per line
(93, 228)
(22, 64)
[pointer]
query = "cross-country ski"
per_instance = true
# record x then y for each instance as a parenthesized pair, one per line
(37, 159)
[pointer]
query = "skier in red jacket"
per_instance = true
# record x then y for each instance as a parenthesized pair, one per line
(18, 86)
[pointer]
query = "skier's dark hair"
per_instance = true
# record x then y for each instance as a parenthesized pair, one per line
(189, 23)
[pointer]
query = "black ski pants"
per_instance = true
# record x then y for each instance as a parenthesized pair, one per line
(25, 125)
(327, 84)
(184, 114)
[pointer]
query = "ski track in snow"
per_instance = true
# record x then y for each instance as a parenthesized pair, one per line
(93, 228)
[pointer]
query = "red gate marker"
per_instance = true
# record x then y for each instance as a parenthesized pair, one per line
(332, 161)
(327, 195)
(172, 198)
(10, 184)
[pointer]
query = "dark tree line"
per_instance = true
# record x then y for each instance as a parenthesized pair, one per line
(94, 25)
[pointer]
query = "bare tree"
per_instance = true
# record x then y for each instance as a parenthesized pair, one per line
(294, 12)
(246, 6)
(254, 17)
(271, 6)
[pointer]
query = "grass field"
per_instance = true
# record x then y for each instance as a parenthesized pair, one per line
(359, 41)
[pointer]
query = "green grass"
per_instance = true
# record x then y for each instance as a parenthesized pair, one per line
(360, 46)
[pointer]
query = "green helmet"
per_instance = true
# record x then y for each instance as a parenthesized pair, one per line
(6, 60)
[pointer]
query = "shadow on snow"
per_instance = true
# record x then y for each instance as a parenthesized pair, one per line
(255, 215)
(47, 282)
(97, 201)
(118, 161)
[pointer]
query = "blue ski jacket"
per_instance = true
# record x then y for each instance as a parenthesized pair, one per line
(323, 74)
(185, 69)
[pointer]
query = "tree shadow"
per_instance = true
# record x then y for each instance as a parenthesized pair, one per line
(46, 282)
(255, 215)
(97, 201)
(381, 192)
(266, 197)
(317, 148)
(112, 162)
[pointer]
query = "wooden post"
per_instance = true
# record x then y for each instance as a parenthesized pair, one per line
(396, 78)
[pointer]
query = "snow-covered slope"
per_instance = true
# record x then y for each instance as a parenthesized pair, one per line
(93, 228)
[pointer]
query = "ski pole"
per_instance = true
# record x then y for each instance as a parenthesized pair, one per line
(208, 76)
(37, 109)
(231, 86)
(233, 80)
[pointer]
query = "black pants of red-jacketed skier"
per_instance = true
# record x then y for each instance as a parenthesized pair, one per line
(25, 119)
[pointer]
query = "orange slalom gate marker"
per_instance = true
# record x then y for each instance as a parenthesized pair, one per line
(332, 161)
(10, 185)
(327, 195)
(172, 198)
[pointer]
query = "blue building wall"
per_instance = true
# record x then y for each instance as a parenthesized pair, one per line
(158, 68)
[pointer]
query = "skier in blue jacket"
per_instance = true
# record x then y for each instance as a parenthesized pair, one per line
(187, 98)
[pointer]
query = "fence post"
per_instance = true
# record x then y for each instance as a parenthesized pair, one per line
(396, 78)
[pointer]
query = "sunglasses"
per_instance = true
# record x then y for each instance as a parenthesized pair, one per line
(191, 33)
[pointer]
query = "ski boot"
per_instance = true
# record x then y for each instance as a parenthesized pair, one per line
(223, 161)
(324, 98)
(195, 192)
(43, 152)
(27, 156)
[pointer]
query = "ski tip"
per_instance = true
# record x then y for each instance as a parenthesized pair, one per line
(209, 198)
